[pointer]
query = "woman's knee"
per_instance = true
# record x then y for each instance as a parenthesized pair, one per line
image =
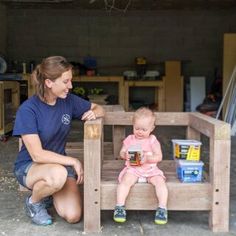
(57, 177)
(73, 217)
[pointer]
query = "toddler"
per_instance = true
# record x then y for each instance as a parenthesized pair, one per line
(143, 146)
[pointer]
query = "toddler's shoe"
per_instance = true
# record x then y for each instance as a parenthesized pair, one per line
(161, 216)
(37, 213)
(119, 214)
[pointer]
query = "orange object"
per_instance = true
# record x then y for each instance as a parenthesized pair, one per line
(135, 158)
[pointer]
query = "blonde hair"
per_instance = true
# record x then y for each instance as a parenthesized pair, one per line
(144, 112)
(50, 68)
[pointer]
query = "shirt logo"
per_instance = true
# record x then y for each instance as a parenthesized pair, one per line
(65, 119)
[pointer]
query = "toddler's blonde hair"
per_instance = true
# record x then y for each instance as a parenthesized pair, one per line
(144, 112)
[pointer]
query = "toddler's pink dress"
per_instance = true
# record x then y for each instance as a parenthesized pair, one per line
(146, 170)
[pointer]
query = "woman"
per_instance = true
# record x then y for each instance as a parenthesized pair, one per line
(43, 122)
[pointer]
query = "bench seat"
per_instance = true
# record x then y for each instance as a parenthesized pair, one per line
(198, 197)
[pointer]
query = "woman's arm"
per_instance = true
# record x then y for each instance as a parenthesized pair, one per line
(96, 111)
(39, 155)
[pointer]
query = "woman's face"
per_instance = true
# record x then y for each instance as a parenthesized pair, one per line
(61, 86)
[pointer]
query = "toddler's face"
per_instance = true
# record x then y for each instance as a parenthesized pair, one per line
(142, 127)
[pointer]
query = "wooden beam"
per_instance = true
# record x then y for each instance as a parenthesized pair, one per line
(162, 118)
(182, 196)
(209, 126)
(92, 174)
(220, 182)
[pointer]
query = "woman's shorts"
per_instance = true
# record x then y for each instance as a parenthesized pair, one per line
(22, 172)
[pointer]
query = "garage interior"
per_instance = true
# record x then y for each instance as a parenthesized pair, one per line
(191, 45)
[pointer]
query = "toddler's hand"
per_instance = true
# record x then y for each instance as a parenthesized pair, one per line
(146, 157)
(125, 156)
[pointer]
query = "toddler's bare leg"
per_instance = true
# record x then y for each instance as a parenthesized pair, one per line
(128, 180)
(161, 190)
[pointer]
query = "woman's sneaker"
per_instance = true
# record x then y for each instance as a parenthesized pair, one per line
(37, 213)
(48, 202)
(119, 214)
(161, 216)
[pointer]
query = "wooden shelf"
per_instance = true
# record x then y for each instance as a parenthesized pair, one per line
(8, 105)
(105, 79)
(159, 87)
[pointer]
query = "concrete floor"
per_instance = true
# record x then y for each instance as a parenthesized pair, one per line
(13, 220)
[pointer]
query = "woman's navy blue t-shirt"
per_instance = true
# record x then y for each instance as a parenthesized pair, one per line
(51, 123)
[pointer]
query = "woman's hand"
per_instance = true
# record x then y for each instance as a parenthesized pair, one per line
(79, 171)
(89, 115)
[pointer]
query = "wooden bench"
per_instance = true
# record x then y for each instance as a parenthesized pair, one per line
(101, 172)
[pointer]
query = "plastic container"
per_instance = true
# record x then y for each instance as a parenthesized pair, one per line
(135, 153)
(189, 171)
(186, 149)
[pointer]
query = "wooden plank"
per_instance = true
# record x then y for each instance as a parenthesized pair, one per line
(229, 59)
(220, 180)
(174, 93)
(162, 118)
(193, 133)
(98, 78)
(113, 108)
(118, 136)
(6, 125)
(182, 196)
(30, 84)
(160, 97)
(209, 126)
(92, 174)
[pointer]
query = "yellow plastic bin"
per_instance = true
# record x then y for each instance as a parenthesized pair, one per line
(186, 149)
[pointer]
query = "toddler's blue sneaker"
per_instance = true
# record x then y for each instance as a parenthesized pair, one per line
(119, 214)
(161, 216)
(37, 212)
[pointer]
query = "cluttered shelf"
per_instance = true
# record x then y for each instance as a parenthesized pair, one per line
(123, 88)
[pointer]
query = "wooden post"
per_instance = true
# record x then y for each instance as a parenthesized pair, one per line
(92, 175)
(118, 136)
(193, 134)
(220, 180)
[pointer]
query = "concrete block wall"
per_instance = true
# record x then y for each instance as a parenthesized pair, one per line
(3, 33)
(115, 39)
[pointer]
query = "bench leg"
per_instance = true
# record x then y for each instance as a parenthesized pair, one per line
(92, 177)
(220, 180)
